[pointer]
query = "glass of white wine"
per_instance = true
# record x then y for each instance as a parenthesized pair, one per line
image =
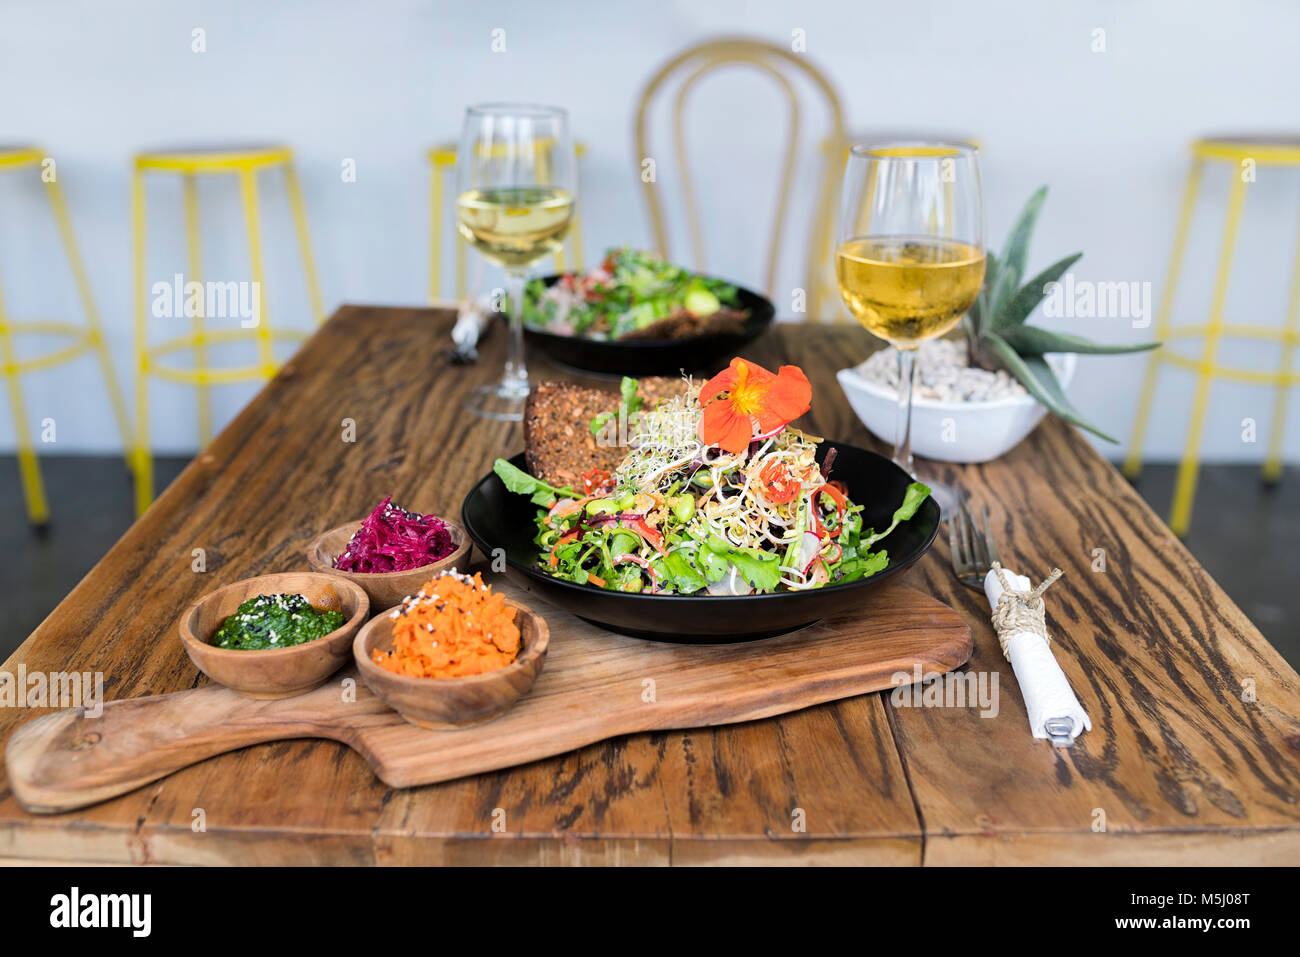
(516, 179)
(910, 256)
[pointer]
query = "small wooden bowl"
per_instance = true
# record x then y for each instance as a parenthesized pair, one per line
(449, 703)
(385, 589)
(274, 672)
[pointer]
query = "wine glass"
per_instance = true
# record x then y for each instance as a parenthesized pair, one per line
(910, 255)
(516, 181)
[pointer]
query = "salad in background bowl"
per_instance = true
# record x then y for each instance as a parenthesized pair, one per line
(633, 295)
(635, 314)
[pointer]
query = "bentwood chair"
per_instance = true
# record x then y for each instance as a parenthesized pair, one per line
(245, 163)
(82, 338)
(686, 70)
(1243, 156)
(442, 165)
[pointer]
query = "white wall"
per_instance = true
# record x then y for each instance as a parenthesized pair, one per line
(378, 82)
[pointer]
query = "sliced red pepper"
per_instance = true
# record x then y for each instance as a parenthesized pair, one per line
(841, 503)
(778, 484)
(594, 478)
(837, 495)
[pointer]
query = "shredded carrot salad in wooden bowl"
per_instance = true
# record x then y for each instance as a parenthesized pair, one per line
(452, 627)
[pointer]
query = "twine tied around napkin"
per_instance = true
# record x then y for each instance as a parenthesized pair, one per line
(1018, 617)
(1020, 611)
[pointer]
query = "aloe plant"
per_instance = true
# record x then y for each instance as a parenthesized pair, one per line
(998, 337)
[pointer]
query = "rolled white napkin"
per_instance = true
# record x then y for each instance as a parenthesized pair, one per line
(1046, 690)
(471, 322)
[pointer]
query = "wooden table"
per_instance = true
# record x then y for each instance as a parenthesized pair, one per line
(1194, 756)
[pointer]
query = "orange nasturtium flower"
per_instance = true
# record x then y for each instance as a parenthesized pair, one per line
(753, 396)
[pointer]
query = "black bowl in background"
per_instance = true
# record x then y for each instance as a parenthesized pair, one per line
(638, 357)
(497, 518)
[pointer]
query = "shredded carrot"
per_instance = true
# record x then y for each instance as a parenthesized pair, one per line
(596, 579)
(454, 626)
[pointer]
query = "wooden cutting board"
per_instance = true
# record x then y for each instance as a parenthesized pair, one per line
(595, 685)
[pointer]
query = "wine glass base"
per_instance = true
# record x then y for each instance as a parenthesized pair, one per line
(501, 402)
(945, 496)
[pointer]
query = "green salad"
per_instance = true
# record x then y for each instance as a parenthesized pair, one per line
(631, 294)
(681, 516)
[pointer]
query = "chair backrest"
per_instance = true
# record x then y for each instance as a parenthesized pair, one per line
(780, 64)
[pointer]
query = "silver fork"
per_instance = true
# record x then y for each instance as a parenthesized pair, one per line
(973, 550)
(973, 555)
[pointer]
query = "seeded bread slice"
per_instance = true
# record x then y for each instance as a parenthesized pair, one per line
(559, 445)
(654, 389)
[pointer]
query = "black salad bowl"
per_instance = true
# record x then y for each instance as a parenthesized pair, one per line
(640, 357)
(496, 518)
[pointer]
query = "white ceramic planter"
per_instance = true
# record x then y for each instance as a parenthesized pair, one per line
(952, 431)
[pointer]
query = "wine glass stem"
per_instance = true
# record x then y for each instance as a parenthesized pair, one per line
(515, 380)
(903, 426)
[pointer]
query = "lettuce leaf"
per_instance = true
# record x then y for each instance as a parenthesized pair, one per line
(861, 567)
(761, 569)
(521, 483)
(916, 494)
(684, 576)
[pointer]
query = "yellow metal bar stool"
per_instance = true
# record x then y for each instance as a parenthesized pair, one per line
(245, 164)
(442, 163)
(83, 338)
(1244, 154)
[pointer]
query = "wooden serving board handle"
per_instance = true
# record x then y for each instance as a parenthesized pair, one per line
(67, 760)
(595, 685)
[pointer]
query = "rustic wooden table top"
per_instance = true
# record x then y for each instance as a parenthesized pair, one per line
(1194, 756)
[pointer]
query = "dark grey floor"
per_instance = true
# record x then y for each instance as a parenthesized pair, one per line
(1243, 533)
(91, 504)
